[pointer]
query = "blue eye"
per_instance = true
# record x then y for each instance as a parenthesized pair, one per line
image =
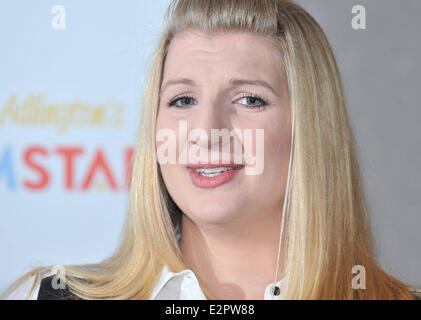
(254, 102)
(186, 99)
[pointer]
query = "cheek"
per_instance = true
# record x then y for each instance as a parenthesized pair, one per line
(173, 174)
(277, 162)
(166, 137)
(276, 158)
(277, 147)
(163, 122)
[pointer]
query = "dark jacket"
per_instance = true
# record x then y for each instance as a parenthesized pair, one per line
(47, 292)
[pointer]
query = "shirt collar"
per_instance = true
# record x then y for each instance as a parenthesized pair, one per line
(184, 285)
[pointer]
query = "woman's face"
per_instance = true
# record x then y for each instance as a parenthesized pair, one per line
(231, 80)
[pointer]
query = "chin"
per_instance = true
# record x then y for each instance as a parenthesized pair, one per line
(215, 212)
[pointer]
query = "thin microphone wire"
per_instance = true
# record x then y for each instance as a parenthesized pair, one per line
(285, 199)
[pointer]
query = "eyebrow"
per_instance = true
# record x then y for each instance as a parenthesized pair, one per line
(234, 82)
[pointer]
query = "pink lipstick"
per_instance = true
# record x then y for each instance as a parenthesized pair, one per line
(213, 175)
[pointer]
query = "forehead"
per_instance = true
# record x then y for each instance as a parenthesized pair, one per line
(241, 52)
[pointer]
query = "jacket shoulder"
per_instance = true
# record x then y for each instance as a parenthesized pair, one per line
(51, 290)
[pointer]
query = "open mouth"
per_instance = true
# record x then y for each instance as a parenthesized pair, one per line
(213, 172)
(211, 176)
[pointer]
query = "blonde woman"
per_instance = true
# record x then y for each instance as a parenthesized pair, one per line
(297, 229)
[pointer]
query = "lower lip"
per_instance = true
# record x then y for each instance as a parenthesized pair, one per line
(212, 182)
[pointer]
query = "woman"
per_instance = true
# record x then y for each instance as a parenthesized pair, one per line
(297, 229)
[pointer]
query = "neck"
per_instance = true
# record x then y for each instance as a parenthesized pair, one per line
(235, 260)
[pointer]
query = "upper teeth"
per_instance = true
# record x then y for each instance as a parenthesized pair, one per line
(213, 171)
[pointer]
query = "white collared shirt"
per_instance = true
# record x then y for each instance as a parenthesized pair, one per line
(185, 286)
(170, 286)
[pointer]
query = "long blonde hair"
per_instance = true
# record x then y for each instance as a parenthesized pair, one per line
(324, 216)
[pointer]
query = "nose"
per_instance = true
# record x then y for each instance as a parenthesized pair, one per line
(211, 117)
